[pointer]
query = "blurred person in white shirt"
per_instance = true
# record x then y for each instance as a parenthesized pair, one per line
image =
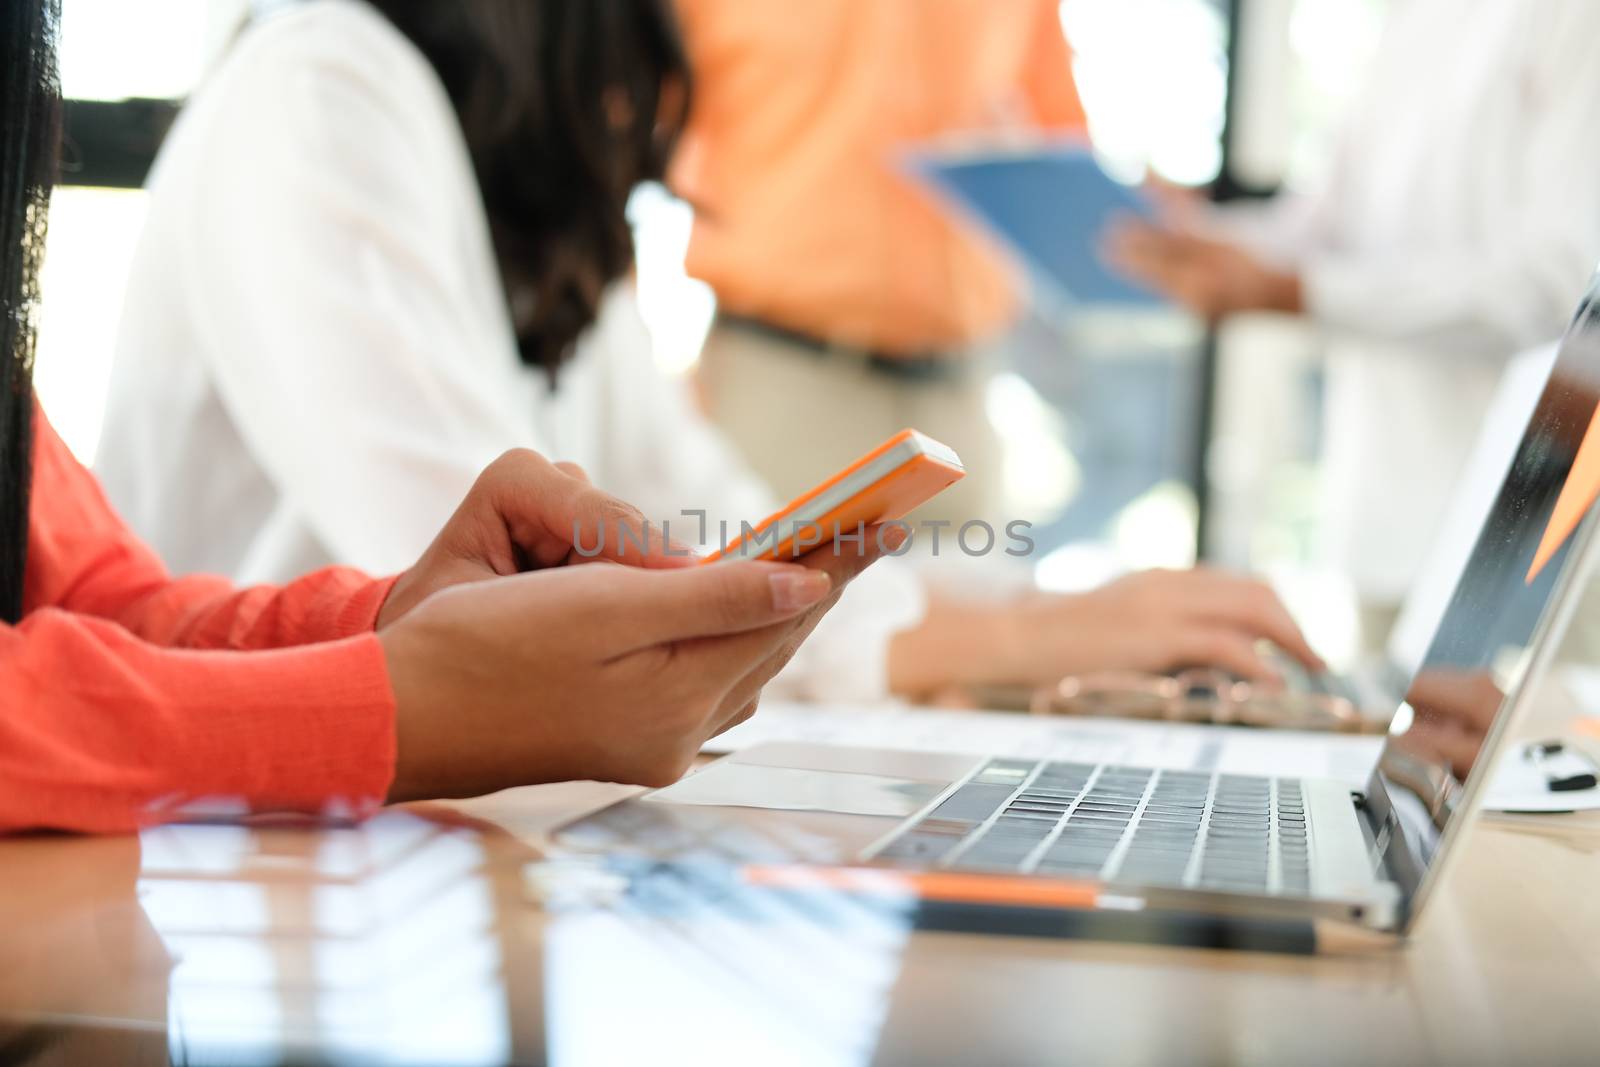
(1458, 225)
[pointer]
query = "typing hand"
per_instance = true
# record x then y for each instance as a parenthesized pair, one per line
(523, 513)
(1153, 622)
(1160, 621)
(605, 672)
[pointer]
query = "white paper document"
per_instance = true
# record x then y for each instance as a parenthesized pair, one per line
(1231, 749)
(1521, 785)
(791, 789)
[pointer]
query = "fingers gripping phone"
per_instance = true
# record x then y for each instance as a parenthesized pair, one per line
(887, 483)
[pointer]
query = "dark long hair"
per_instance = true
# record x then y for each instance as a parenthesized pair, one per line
(566, 105)
(30, 125)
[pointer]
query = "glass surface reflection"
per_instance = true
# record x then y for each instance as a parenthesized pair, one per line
(376, 943)
(705, 967)
(1508, 591)
(422, 937)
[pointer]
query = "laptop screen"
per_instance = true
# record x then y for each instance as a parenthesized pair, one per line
(1484, 643)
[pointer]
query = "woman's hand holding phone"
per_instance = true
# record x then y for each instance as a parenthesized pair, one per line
(525, 513)
(598, 672)
(617, 670)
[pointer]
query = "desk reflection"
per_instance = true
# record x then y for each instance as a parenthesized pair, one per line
(695, 966)
(376, 943)
(420, 937)
(75, 944)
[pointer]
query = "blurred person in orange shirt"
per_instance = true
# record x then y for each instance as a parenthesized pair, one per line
(851, 303)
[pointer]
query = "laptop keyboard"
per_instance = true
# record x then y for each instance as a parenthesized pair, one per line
(1117, 824)
(1321, 683)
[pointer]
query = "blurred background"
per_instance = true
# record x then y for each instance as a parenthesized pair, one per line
(1131, 440)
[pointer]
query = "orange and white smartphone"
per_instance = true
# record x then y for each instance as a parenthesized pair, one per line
(887, 483)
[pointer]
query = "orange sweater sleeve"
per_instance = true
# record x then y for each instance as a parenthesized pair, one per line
(127, 697)
(82, 559)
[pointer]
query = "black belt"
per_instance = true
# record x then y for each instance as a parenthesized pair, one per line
(906, 366)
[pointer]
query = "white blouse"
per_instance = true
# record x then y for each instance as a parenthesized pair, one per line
(1459, 224)
(316, 360)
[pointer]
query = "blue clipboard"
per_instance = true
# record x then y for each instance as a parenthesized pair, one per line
(1050, 205)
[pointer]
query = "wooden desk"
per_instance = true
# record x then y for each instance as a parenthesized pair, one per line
(413, 940)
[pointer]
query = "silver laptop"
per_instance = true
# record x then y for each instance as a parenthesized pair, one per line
(1008, 835)
(1376, 685)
